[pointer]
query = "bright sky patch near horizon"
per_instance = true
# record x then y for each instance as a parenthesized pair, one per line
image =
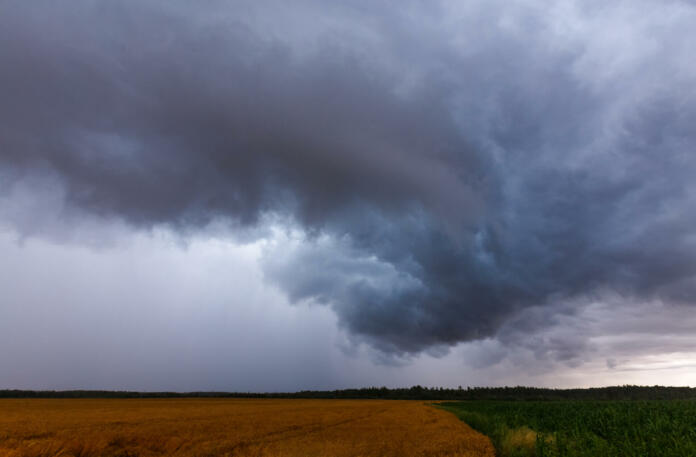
(254, 196)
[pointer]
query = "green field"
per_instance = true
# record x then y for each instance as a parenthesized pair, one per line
(572, 428)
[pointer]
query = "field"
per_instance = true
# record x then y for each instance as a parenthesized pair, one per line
(232, 427)
(584, 428)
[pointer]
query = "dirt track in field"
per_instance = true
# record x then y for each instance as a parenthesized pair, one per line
(233, 427)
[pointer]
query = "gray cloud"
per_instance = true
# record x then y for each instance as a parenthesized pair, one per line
(451, 167)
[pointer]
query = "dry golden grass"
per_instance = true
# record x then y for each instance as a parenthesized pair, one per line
(522, 438)
(231, 427)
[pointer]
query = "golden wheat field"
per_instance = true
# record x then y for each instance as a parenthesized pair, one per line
(233, 427)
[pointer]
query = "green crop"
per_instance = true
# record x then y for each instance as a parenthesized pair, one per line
(584, 428)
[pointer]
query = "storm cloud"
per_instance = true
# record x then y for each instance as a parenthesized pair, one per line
(439, 171)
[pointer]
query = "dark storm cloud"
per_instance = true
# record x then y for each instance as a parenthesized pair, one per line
(158, 119)
(453, 166)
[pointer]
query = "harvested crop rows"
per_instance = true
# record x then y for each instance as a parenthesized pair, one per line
(231, 427)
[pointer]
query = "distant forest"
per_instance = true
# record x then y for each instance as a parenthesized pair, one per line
(413, 393)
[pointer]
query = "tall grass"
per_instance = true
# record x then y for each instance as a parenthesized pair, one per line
(584, 428)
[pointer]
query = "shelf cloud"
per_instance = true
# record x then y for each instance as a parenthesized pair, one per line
(440, 172)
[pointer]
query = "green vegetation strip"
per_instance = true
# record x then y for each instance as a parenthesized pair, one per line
(584, 428)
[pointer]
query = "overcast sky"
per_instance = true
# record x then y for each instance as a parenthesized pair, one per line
(272, 195)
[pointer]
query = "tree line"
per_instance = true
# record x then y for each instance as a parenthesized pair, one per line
(626, 392)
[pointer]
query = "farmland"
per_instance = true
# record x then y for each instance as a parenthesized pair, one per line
(232, 427)
(571, 428)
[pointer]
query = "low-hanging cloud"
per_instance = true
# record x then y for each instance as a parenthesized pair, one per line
(450, 166)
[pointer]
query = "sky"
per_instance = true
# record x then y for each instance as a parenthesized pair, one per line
(277, 196)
